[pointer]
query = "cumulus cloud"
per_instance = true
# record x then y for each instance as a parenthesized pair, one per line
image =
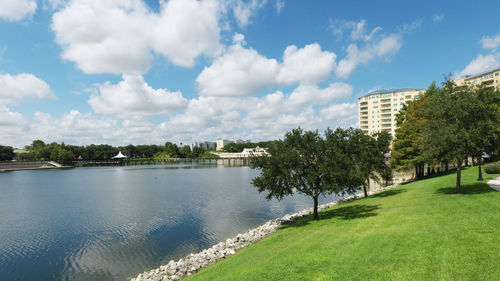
(312, 94)
(252, 117)
(244, 10)
(479, 64)
(238, 72)
(243, 71)
(13, 126)
(356, 30)
(16, 10)
(306, 65)
(490, 42)
(134, 97)
(15, 88)
(119, 36)
(345, 113)
(386, 46)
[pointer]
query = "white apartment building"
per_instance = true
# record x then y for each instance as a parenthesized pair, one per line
(489, 78)
(377, 110)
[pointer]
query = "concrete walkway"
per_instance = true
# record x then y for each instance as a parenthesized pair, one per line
(495, 183)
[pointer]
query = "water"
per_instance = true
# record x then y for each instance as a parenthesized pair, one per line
(112, 223)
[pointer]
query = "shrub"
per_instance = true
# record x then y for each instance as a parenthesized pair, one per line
(492, 168)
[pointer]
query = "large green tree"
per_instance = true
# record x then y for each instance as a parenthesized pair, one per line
(6, 153)
(368, 152)
(408, 151)
(307, 163)
(461, 122)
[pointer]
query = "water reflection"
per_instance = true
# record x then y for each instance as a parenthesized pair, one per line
(112, 223)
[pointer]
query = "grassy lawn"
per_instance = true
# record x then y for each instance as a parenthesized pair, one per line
(418, 231)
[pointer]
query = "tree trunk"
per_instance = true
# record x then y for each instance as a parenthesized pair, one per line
(479, 162)
(446, 166)
(365, 188)
(458, 175)
(315, 198)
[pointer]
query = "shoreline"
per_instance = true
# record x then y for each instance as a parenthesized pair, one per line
(192, 263)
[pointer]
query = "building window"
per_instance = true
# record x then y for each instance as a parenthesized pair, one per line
(395, 104)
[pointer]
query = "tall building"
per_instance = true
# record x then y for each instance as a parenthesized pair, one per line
(377, 110)
(220, 144)
(490, 78)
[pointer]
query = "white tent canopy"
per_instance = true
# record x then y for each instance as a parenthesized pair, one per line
(119, 156)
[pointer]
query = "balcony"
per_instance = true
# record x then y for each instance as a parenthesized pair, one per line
(365, 103)
(385, 115)
(385, 105)
(385, 111)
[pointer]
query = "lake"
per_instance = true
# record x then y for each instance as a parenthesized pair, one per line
(112, 223)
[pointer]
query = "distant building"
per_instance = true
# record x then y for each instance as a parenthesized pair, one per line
(205, 145)
(242, 141)
(220, 144)
(378, 109)
(489, 78)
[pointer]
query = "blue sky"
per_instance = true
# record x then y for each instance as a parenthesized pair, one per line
(133, 71)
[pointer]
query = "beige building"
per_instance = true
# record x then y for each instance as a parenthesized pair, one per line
(490, 78)
(377, 110)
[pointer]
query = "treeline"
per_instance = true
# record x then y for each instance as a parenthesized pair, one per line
(238, 147)
(447, 125)
(173, 151)
(65, 154)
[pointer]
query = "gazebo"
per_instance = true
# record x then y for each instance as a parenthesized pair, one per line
(119, 156)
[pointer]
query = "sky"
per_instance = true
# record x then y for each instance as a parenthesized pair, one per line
(146, 72)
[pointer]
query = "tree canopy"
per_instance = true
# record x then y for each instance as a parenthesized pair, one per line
(308, 163)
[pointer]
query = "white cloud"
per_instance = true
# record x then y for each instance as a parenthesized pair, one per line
(118, 37)
(345, 113)
(16, 10)
(490, 42)
(243, 11)
(15, 88)
(9, 118)
(241, 71)
(307, 65)
(187, 29)
(280, 4)
(13, 127)
(238, 72)
(312, 94)
(412, 26)
(134, 97)
(479, 64)
(387, 46)
(357, 30)
(438, 17)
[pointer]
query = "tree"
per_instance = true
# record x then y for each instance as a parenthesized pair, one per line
(305, 162)
(171, 149)
(369, 155)
(6, 153)
(484, 133)
(408, 150)
(460, 123)
(185, 151)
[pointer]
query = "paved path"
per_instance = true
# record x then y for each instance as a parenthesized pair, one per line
(495, 184)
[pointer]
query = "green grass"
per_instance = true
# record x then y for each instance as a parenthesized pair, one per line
(418, 231)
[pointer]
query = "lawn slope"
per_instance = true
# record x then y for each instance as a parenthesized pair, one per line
(418, 231)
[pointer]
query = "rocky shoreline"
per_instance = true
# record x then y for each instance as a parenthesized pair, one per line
(176, 270)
